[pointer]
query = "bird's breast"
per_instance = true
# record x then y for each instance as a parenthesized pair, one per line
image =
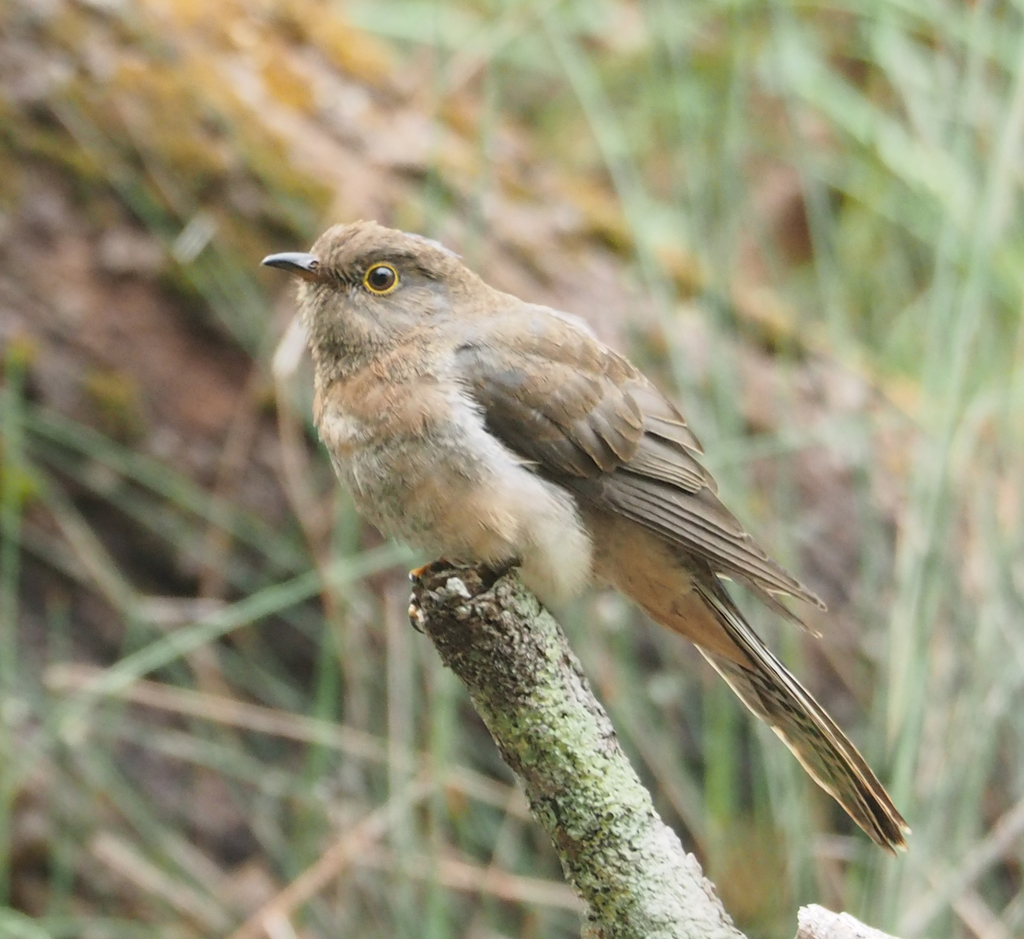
(422, 466)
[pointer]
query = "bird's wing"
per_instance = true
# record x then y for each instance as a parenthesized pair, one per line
(560, 399)
(590, 421)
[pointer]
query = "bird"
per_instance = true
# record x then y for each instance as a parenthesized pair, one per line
(482, 428)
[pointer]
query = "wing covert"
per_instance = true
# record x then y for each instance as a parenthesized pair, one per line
(594, 424)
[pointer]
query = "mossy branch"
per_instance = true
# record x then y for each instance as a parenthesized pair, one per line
(625, 863)
(628, 867)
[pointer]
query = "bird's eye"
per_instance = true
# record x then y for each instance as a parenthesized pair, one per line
(381, 278)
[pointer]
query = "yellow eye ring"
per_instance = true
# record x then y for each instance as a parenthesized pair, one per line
(380, 279)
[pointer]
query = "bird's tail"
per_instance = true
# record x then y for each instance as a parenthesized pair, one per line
(773, 694)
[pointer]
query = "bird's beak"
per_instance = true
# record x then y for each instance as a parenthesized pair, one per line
(305, 266)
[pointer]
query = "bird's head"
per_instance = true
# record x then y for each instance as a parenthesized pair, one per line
(365, 289)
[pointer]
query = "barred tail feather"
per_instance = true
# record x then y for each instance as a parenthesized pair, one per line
(768, 689)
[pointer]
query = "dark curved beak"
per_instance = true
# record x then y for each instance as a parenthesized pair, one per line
(305, 266)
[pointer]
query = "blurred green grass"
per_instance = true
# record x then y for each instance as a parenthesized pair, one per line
(835, 185)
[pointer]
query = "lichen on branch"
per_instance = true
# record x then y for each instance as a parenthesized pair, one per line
(626, 864)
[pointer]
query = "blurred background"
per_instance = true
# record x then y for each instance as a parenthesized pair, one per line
(802, 219)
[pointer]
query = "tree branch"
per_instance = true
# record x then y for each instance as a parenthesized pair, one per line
(627, 866)
(625, 863)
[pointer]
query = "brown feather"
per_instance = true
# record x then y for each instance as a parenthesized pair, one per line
(683, 594)
(596, 425)
(768, 689)
(699, 524)
(573, 417)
